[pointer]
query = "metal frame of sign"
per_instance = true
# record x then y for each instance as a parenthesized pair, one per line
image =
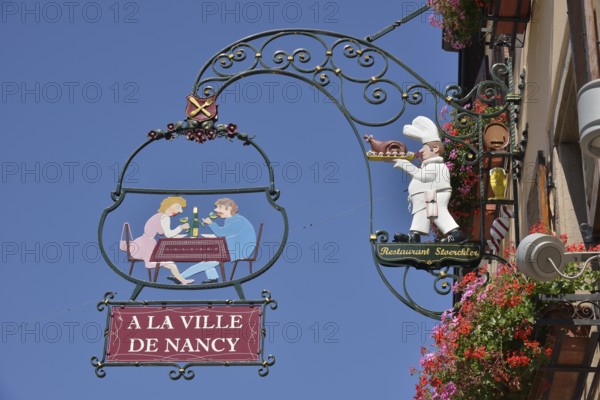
(190, 130)
(184, 370)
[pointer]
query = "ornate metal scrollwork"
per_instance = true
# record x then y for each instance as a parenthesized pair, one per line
(182, 372)
(108, 296)
(564, 309)
(264, 369)
(323, 58)
(335, 52)
(268, 300)
(444, 279)
(99, 367)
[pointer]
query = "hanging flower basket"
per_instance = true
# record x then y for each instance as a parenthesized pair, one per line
(487, 346)
(458, 19)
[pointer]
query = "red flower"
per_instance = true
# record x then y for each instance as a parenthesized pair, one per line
(518, 360)
(477, 353)
(485, 346)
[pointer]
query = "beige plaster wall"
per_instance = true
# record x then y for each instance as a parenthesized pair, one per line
(543, 60)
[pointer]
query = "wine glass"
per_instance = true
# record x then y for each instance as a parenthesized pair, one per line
(184, 220)
(212, 215)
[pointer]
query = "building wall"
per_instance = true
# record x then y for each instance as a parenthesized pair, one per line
(549, 113)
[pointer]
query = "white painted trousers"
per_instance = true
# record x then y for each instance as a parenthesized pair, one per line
(444, 221)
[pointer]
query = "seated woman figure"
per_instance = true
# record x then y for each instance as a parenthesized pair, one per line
(160, 224)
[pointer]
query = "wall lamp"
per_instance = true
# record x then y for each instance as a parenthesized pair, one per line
(588, 111)
(543, 258)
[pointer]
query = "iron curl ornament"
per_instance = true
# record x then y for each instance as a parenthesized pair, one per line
(339, 66)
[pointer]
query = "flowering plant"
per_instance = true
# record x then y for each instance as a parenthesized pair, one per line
(485, 347)
(464, 177)
(458, 19)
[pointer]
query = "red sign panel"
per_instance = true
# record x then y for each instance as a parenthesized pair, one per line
(199, 334)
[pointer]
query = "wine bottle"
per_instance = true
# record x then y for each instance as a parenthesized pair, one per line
(195, 223)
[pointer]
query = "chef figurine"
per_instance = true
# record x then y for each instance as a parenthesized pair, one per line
(429, 190)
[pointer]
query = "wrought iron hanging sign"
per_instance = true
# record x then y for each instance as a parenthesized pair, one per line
(320, 59)
(215, 246)
(338, 65)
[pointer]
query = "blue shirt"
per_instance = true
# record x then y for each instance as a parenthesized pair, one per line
(239, 235)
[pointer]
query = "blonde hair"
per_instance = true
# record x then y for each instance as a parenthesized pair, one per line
(169, 201)
(227, 202)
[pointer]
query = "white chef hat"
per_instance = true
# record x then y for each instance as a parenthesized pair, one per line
(422, 129)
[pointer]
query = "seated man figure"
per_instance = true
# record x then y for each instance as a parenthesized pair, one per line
(238, 233)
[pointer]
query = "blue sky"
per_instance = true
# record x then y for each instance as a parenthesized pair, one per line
(81, 85)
